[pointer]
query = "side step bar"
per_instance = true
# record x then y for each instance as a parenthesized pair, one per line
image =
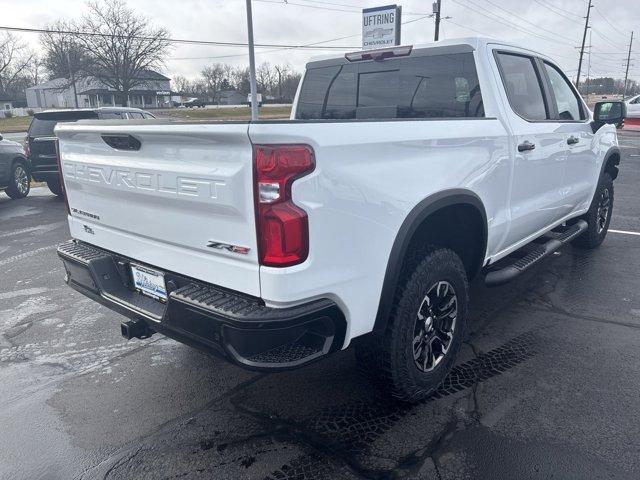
(510, 272)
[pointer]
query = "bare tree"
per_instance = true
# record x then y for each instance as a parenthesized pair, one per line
(14, 58)
(265, 77)
(64, 56)
(126, 47)
(241, 81)
(290, 86)
(33, 72)
(181, 84)
(213, 76)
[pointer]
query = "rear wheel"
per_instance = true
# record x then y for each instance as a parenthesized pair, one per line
(424, 331)
(19, 183)
(55, 186)
(599, 215)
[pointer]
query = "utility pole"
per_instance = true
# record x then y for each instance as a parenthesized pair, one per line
(437, 6)
(252, 64)
(626, 73)
(584, 39)
(588, 66)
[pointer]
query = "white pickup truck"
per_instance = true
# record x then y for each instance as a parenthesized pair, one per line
(402, 175)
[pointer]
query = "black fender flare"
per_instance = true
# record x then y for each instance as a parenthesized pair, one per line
(408, 228)
(613, 151)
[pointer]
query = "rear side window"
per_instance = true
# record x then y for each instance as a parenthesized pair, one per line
(111, 116)
(43, 123)
(523, 86)
(41, 128)
(439, 86)
(566, 100)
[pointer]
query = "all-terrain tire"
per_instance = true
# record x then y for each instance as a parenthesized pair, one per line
(599, 215)
(19, 182)
(389, 357)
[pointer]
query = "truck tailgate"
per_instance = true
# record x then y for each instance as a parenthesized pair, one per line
(182, 201)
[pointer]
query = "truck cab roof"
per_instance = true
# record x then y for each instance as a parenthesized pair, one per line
(474, 43)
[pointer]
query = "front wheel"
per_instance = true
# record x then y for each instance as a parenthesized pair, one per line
(19, 183)
(599, 215)
(424, 331)
(55, 186)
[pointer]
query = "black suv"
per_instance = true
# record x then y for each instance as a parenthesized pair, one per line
(40, 144)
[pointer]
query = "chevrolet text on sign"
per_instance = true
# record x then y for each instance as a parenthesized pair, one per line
(381, 27)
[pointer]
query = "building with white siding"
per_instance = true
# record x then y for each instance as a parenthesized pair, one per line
(153, 92)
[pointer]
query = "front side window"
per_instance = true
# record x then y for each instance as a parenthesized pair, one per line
(566, 100)
(522, 85)
(111, 116)
(438, 86)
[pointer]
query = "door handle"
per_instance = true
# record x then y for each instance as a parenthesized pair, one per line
(572, 140)
(526, 145)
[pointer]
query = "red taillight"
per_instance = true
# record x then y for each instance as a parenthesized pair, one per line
(283, 228)
(61, 179)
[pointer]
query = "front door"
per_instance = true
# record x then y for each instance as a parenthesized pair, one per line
(570, 113)
(539, 148)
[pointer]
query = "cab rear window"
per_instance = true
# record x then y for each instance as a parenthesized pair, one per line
(438, 86)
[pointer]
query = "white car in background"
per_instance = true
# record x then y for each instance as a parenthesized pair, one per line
(633, 106)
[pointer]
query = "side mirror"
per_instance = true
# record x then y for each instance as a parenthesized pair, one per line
(609, 112)
(1, 137)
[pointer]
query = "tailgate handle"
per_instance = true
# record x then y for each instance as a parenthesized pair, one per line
(121, 141)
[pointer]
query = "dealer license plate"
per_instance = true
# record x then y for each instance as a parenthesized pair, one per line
(149, 282)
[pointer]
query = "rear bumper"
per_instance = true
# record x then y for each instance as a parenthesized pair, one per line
(208, 317)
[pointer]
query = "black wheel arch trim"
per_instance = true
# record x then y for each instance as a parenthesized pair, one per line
(21, 159)
(606, 162)
(413, 220)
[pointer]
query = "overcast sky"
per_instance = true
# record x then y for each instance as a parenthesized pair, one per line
(553, 27)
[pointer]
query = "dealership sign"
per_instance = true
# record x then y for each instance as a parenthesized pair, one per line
(381, 27)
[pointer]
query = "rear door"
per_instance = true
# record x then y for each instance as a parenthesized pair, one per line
(570, 115)
(539, 147)
(41, 139)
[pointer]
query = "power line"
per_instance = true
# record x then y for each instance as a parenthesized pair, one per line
(558, 10)
(308, 45)
(507, 22)
(308, 6)
(528, 21)
(551, 8)
(170, 40)
(276, 50)
(358, 7)
(615, 29)
(466, 27)
(607, 39)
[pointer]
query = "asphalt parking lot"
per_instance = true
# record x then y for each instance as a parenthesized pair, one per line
(546, 385)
